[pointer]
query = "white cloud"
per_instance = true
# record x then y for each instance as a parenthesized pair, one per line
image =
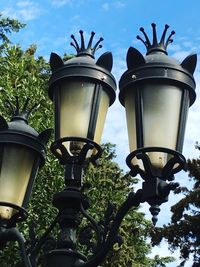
(24, 3)
(119, 4)
(24, 10)
(75, 18)
(59, 42)
(115, 128)
(106, 6)
(115, 132)
(174, 47)
(60, 3)
(188, 44)
(180, 55)
(163, 251)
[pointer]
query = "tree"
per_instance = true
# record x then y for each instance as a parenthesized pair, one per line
(184, 230)
(7, 26)
(113, 186)
(25, 75)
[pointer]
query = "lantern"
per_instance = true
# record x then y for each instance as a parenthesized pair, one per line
(157, 92)
(82, 90)
(22, 152)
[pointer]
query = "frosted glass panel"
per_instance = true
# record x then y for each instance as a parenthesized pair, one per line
(15, 171)
(161, 113)
(103, 108)
(131, 121)
(76, 102)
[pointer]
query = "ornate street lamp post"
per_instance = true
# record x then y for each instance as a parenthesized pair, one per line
(82, 91)
(22, 154)
(156, 91)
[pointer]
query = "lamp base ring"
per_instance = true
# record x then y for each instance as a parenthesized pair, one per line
(175, 164)
(69, 199)
(60, 150)
(19, 216)
(63, 258)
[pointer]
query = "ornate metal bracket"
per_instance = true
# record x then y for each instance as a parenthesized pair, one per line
(155, 188)
(13, 234)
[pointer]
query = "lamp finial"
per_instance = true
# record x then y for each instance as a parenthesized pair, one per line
(82, 49)
(156, 46)
(22, 113)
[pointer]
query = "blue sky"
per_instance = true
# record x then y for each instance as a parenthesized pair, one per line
(51, 22)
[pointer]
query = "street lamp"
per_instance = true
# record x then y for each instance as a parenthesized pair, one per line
(156, 91)
(82, 90)
(22, 152)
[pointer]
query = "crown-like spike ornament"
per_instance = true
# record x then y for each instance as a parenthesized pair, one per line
(82, 49)
(22, 113)
(156, 46)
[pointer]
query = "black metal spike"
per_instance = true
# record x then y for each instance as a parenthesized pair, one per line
(139, 38)
(72, 44)
(148, 43)
(162, 39)
(82, 40)
(155, 46)
(76, 46)
(25, 105)
(35, 106)
(82, 50)
(91, 39)
(169, 40)
(155, 42)
(97, 46)
(9, 106)
(22, 113)
(17, 104)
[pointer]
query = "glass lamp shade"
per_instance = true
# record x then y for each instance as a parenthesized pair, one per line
(156, 117)
(80, 107)
(18, 167)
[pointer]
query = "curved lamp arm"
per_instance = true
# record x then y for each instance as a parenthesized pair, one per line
(94, 224)
(133, 200)
(13, 234)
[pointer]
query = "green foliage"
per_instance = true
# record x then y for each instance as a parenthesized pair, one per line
(161, 261)
(109, 184)
(184, 230)
(8, 26)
